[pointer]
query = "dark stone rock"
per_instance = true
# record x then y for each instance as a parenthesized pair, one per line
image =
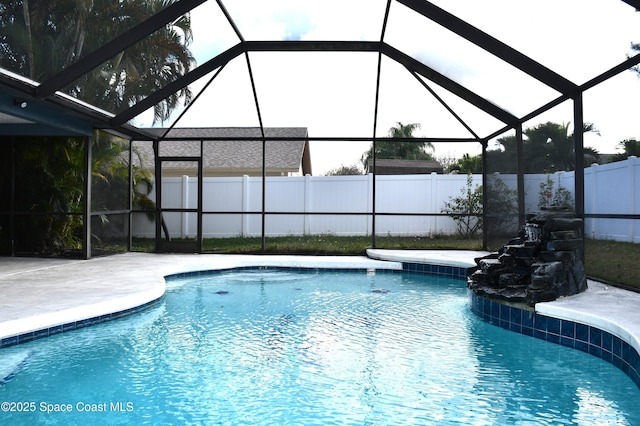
(557, 245)
(560, 256)
(489, 264)
(554, 224)
(543, 263)
(544, 295)
(511, 279)
(506, 259)
(564, 235)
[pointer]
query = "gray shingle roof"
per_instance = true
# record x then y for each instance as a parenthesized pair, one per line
(386, 166)
(227, 155)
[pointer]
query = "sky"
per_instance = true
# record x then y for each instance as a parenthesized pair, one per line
(333, 94)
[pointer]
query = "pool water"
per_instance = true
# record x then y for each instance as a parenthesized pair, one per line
(302, 348)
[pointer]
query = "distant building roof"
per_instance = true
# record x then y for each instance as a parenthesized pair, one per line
(385, 166)
(236, 156)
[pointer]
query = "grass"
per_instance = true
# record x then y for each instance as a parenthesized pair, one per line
(331, 245)
(321, 244)
(614, 262)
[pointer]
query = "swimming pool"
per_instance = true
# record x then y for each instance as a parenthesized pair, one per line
(283, 346)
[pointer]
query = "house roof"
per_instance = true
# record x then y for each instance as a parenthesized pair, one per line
(226, 150)
(385, 166)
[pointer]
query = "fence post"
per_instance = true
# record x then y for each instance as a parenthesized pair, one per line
(308, 205)
(594, 200)
(370, 203)
(245, 206)
(433, 202)
(631, 162)
(185, 205)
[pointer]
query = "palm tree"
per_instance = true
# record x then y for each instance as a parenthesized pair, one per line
(503, 160)
(550, 148)
(146, 67)
(405, 150)
(547, 148)
(48, 179)
(39, 39)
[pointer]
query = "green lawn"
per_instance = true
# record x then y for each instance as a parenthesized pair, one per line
(614, 262)
(332, 245)
(321, 244)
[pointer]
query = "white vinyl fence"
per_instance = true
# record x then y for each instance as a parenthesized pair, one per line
(237, 202)
(612, 189)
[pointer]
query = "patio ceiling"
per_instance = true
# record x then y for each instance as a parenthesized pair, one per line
(349, 69)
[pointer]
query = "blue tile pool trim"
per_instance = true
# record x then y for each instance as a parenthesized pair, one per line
(575, 335)
(418, 268)
(46, 332)
(448, 271)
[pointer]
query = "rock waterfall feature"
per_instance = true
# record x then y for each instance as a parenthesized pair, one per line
(544, 262)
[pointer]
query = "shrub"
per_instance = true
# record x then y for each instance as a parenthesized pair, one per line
(549, 196)
(466, 209)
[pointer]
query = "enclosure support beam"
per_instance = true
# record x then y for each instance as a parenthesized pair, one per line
(86, 207)
(485, 233)
(115, 46)
(130, 197)
(373, 152)
(520, 175)
(492, 45)
(12, 198)
(578, 134)
(200, 197)
(158, 188)
(633, 3)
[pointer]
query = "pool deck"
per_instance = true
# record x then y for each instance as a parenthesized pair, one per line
(42, 293)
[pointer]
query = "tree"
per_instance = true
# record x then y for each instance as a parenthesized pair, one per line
(405, 150)
(467, 164)
(557, 144)
(466, 209)
(48, 180)
(343, 170)
(504, 159)
(41, 38)
(547, 148)
(38, 39)
(49, 189)
(630, 147)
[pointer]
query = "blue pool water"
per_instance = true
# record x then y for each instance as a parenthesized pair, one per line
(303, 348)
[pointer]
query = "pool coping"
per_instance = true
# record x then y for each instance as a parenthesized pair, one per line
(46, 297)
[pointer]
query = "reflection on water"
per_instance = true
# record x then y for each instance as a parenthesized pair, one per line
(277, 347)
